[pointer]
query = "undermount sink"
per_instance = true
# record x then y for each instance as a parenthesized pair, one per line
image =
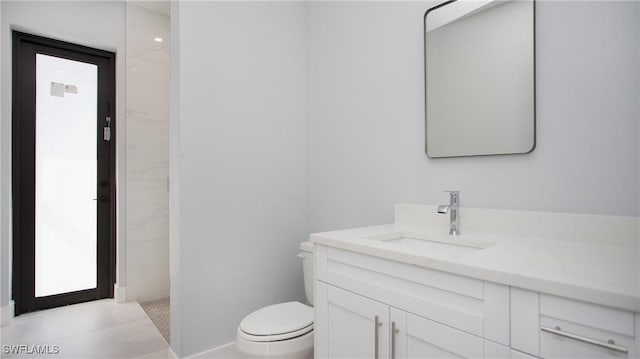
(431, 244)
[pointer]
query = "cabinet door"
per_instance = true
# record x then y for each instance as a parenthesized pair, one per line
(424, 338)
(357, 327)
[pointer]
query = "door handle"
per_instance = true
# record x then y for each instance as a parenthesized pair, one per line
(394, 330)
(102, 198)
(376, 324)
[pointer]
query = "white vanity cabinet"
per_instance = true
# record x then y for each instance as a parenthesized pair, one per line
(554, 327)
(368, 307)
(359, 327)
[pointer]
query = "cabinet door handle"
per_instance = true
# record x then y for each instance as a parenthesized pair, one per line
(394, 330)
(377, 324)
(610, 344)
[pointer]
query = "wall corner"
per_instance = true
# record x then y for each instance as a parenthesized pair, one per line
(7, 312)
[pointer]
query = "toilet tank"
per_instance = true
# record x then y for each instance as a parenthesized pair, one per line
(307, 268)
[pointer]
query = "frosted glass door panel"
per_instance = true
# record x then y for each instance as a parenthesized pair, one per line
(66, 175)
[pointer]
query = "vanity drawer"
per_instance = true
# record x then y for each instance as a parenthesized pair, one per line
(563, 339)
(591, 315)
(574, 329)
(470, 305)
(554, 327)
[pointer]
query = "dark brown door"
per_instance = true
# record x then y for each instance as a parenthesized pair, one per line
(63, 173)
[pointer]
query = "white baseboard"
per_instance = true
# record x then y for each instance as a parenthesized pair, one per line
(226, 351)
(7, 313)
(119, 293)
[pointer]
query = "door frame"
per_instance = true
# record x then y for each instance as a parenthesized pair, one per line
(23, 175)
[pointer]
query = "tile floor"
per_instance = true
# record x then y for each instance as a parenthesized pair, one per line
(159, 312)
(99, 329)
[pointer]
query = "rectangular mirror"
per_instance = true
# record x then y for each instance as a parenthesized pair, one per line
(480, 78)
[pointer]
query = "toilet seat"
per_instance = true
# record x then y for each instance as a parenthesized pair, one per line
(282, 330)
(275, 337)
(277, 322)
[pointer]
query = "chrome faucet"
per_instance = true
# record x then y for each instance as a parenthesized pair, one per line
(452, 208)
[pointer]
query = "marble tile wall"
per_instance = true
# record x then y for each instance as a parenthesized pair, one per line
(147, 153)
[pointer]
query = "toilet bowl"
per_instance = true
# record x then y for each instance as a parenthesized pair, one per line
(283, 330)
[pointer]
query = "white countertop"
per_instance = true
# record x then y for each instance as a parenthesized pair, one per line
(591, 272)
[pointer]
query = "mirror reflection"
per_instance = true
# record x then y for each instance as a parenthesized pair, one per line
(480, 78)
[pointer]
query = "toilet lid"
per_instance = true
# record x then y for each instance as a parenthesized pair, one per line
(278, 319)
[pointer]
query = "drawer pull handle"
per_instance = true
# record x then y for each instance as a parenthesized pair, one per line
(610, 344)
(376, 324)
(394, 330)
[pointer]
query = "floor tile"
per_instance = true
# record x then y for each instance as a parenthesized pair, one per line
(160, 354)
(98, 329)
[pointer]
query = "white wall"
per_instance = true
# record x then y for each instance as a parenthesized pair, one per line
(5, 294)
(238, 164)
(96, 24)
(366, 117)
(147, 154)
(174, 180)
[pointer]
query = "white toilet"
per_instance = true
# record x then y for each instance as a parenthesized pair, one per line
(282, 330)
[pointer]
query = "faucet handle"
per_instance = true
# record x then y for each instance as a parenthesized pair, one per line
(454, 196)
(453, 193)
